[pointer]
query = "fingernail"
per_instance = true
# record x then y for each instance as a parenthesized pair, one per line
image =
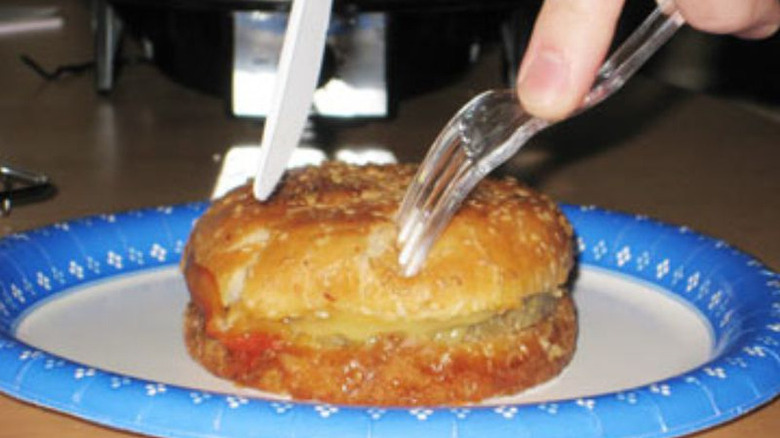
(544, 81)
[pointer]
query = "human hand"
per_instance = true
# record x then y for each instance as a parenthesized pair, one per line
(571, 37)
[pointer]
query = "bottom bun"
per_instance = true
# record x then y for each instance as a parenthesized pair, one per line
(391, 370)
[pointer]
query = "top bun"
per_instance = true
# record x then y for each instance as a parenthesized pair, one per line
(325, 244)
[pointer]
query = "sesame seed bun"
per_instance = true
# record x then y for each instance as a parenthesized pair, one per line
(302, 293)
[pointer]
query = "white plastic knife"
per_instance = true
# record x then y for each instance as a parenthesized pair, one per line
(296, 78)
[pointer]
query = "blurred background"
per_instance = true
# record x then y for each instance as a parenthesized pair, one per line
(426, 44)
(390, 49)
(141, 89)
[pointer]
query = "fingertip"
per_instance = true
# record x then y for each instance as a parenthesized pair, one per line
(566, 48)
(544, 85)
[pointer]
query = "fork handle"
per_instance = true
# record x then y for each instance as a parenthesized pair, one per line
(653, 33)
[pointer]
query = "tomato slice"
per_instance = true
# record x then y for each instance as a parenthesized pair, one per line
(253, 344)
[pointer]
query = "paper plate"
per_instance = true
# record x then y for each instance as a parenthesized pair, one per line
(679, 332)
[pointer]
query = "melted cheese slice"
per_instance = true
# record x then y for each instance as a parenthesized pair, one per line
(339, 327)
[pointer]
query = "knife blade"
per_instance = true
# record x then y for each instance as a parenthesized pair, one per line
(296, 78)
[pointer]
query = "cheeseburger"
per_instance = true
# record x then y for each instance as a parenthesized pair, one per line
(302, 295)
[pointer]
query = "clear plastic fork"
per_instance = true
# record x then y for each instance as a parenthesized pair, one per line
(490, 129)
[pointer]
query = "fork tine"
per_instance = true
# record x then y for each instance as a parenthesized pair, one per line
(437, 158)
(445, 155)
(424, 182)
(467, 162)
(447, 172)
(439, 154)
(415, 250)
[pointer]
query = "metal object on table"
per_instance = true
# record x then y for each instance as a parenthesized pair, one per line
(108, 30)
(19, 184)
